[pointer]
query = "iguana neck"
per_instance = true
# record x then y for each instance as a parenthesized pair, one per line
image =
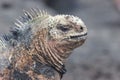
(47, 52)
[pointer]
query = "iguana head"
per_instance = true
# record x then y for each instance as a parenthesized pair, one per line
(69, 30)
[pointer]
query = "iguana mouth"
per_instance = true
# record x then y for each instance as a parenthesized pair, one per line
(78, 36)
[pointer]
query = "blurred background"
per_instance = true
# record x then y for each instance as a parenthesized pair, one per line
(99, 57)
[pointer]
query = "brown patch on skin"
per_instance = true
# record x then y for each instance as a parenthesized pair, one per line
(6, 74)
(21, 61)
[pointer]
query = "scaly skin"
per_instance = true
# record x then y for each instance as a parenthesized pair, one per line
(40, 44)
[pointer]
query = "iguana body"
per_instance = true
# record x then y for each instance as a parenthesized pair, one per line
(38, 46)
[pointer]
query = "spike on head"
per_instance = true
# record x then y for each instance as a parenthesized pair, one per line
(30, 16)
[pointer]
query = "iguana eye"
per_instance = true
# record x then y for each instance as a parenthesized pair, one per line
(63, 28)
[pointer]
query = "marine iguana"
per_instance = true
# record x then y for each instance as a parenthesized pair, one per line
(38, 46)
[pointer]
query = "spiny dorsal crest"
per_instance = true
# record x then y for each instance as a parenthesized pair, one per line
(22, 31)
(30, 18)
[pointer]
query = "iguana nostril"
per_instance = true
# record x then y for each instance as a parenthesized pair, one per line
(81, 28)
